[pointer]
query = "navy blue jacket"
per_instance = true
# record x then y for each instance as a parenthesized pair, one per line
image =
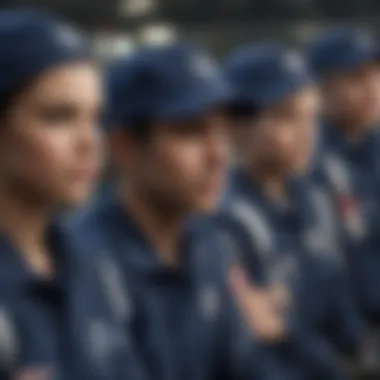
(66, 328)
(185, 323)
(295, 245)
(350, 172)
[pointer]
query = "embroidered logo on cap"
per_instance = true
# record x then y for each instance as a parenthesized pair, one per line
(364, 41)
(68, 36)
(293, 62)
(203, 66)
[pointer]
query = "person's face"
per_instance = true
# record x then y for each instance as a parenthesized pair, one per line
(377, 68)
(183, 165)
(49, 141)
(354, 97)
(283, 136)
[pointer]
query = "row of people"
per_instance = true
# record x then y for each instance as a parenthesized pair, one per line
(188, 269)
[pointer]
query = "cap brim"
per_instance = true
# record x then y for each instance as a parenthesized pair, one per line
(353, 63)
(249, 104)
(197, 102)
(243, 108)
(26, 73)
(272, 96)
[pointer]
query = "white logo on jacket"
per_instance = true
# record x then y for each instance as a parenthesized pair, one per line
(344, 197)
(322, 237)
(285, 270)
(104, 339)
(209, 301)
(255, 226)
(115, 288)
(8, 340)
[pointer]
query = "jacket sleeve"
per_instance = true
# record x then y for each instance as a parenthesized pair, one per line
(241, 356)
(311, 352)
(116, 301)
(347, 326)
(304, 353)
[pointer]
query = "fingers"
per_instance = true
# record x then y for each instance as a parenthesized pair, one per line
(256, 306)
(280, 296)
(238, 280)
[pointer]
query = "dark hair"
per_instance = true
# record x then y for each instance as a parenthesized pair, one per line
(243, 111)
(140, 130)
(6, 100)
(8, 97)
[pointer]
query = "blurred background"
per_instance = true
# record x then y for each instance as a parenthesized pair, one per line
(117, 26)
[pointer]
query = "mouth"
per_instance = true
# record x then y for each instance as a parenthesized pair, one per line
(85, 174)
(214, 185)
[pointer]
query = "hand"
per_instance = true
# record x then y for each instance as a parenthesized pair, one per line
(257, 307)
(280, 297)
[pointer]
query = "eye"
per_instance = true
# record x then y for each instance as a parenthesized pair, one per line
(186, 129)
(58, 114)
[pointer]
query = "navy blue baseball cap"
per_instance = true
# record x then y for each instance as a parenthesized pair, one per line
(164, 83)
(264, 74)
(31, 42)
(342, 50)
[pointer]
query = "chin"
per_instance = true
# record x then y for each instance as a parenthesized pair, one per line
(301, 168)
(207, 205)
(76, 199)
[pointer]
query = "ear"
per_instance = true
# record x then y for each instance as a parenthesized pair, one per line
(122, 148)
(238, 135)
(242, 134)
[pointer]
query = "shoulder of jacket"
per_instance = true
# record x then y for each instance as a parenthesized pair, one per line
(337, 172)
(252, 222)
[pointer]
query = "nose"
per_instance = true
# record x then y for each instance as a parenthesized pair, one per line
(89, 143)
(218, 147)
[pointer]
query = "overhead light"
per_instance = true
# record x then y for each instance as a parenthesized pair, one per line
(158, 34)
(123, 45)
(109, 45)
(137, 8)
(304, 32)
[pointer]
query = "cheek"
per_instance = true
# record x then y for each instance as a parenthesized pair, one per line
(47, 155)
(356, 99)
(342, 99)
(282, 142)
(38, 160)
(181, 160)
(305, 147)
(371, 98)
(364, 107)
(306, 132)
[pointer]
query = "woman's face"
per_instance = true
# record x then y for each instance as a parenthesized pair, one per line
(50, 143)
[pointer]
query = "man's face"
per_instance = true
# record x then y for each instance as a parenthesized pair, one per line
(377, 68)
(283, 136)
(354, 98)
(183, 164)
